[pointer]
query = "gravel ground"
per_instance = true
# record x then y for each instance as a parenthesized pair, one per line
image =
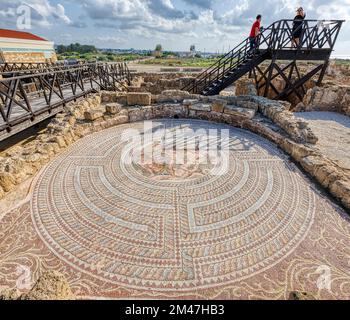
(333, 131)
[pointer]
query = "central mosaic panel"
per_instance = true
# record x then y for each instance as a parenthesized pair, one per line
(167, 226)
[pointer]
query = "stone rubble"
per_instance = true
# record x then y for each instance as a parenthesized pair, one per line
(328, 98)
(155, 83)
(296, 295)
(51, 285)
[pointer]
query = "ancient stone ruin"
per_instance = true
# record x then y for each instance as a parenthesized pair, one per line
(93, 122)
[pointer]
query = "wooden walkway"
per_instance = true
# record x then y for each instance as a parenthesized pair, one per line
(22, 108)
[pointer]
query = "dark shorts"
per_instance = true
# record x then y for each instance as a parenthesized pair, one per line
(297, 33)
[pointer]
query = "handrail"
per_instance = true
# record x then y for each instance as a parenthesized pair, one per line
(46, 67)
(227, 54)
(70, 69)
(277, 36)
(53, 89)
(225, 58)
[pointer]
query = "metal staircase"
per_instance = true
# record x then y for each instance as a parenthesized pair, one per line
(274, 44)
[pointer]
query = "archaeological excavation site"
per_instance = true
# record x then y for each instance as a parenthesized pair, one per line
(228, 183)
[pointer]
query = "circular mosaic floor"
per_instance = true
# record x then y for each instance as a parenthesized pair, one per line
(171, 227)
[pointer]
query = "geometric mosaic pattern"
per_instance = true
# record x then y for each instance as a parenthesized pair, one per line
(114, 222)
(118, 230)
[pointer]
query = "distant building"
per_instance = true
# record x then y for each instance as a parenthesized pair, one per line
(192, 52)
(25, 47)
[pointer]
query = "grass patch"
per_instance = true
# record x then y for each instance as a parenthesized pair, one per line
(342, 62)
(184, 62)
(99, 56)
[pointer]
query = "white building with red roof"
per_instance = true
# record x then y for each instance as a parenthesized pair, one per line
(25, 47)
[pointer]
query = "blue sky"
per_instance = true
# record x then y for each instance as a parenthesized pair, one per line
(214, 25)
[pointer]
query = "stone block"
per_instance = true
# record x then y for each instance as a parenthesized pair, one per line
(60, 141)
(190, 102)
(93, 115)
(218, 105)
(107, 97)
(122, 120)
(312, 163)
(200, 107)
(158, 111)
(239, 112)
(2, 194)
(123, 112)
(51, 285)
(113, 108)
(7, 181)
(139, 98)
(296, 150)
(248, 104)
(245, 87)
(341, 189)
(203, 115)
(147, 112)
(172, 110)
(136, 89)
(136, 114)
(121, 98)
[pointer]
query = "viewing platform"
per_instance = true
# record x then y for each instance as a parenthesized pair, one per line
(274, 48)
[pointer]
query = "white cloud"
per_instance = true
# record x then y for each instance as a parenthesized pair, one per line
(43, 13)
(110, 40)
(177, 22)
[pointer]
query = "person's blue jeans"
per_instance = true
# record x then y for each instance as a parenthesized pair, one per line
(253, 43)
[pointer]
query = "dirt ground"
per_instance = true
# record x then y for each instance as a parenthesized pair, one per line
(333, 131)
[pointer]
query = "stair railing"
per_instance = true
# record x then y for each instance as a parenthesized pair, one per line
(234, 58)
(315, 34)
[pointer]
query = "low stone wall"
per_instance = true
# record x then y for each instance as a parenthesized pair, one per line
(339, 72)
(153, 77)
(156, 83)
(279, 112)
(328, 98)
(109, 109)
(158, 86)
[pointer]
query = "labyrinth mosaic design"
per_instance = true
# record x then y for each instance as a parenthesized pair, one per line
(119, 229)
(187, 229)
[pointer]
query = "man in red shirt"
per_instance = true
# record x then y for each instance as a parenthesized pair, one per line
(254, 33)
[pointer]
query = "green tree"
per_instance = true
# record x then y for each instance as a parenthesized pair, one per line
(77, 48)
